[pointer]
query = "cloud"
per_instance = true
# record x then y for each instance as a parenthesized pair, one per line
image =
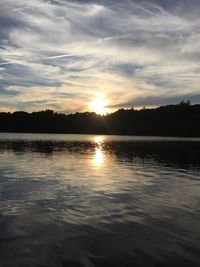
(136, 50)
(5, 92)
(157, 101)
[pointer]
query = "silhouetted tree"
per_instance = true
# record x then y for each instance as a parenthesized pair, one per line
(172, 120)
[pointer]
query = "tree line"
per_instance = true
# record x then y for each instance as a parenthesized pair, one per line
(172, 120)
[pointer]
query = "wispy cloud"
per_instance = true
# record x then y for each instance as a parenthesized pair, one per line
(63, 52)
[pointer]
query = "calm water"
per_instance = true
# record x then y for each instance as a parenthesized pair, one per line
(96, 201)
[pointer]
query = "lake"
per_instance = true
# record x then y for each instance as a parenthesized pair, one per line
(99, 201)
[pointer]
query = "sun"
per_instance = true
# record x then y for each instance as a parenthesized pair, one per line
(99, 106)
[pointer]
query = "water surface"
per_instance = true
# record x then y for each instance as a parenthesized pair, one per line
(86, 200)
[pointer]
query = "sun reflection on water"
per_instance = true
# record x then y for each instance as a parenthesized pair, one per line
(99, 156)
(98, 140)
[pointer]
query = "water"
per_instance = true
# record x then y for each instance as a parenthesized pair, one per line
(114, 201)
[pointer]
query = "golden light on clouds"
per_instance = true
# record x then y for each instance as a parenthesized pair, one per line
(123, 63)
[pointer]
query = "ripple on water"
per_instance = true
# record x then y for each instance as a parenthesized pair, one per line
(99, 201)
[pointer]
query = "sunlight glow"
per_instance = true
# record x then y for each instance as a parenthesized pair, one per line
(99, 157)
(99, 106)
(98, 139)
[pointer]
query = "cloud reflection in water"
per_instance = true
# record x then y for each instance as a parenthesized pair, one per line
(98, 201)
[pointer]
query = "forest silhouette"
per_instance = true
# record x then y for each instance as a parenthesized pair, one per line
(172, 120)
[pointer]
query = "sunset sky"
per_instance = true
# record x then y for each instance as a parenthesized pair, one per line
(65, 55)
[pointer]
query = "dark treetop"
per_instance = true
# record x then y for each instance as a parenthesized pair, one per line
(172, 120)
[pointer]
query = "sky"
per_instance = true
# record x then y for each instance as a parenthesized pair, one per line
(64, 55)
